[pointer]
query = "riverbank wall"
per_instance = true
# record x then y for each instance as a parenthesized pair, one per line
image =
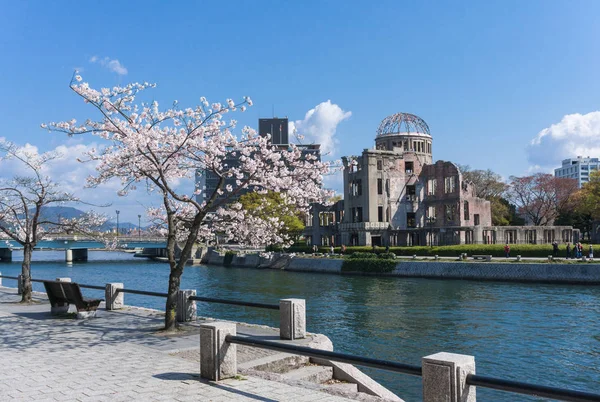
(577, 273)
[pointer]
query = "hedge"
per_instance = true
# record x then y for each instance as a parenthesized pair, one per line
(368, 265)
(496, 250)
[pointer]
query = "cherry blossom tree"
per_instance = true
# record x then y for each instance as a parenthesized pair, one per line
(22, 202)
(161, 148)
(540, 198)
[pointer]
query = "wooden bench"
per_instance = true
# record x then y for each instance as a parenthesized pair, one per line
(61, 294)
(482, 257)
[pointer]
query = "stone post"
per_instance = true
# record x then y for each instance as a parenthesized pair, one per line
(218, 359)
(186, 309)
(20, 284)
(444, 377)
(292, 318)
(518, 258)
(114, 299)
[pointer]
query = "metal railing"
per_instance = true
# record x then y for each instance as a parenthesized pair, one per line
(159, 294)
(335, 356)
(471, 379)
(234, 302)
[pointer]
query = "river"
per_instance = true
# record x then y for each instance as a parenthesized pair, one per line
(538, 333)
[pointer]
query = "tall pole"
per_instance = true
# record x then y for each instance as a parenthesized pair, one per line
(118, 212)
(140, 226)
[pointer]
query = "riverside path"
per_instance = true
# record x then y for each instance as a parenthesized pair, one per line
(117, 356)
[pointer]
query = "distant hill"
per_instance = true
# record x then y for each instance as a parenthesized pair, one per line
(56, 213)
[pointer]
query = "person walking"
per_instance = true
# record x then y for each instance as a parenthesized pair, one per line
(568, 250)
(591, 252)
(331, 249)
(343, 249)
(555, 249)
(507, 250)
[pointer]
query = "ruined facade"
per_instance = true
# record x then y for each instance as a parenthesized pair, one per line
(396, 195)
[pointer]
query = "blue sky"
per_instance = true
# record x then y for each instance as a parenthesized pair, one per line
(488, 77)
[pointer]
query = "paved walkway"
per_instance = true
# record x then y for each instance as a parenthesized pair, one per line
(118, 356)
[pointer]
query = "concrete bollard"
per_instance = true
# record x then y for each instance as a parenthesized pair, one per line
(218, 359)
(114, 299)
(186, 309)
(436, 257)
(518, 258)
(20, 284)
(444, 377)
(414, 256)
(292, 319)
(63, 280)
(583, 258)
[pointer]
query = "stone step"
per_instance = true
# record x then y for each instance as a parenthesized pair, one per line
(343, 386)
(278, 363)
(316, 374)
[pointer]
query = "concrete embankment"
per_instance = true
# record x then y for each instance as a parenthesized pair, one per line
(584, 273)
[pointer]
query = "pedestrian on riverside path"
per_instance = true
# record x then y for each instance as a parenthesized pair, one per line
(555, 249)
(591, 253)
(343, 249)
(568, 250)
(507, 250)
(331, 249)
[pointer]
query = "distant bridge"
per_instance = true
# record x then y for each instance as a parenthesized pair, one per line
(76, 247)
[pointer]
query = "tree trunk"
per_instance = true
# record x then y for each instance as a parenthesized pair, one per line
(26, 272)
(177, 267)
(171, 305)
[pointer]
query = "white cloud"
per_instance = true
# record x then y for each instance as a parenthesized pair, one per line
(575, 135)
(113, 65)
(320, 125)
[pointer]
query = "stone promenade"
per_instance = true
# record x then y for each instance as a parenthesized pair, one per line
(117, 356)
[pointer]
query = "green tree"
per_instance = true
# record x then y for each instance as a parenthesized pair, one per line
(587, 200)
(272, 204)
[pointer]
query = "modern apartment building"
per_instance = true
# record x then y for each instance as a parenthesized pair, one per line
(577, 168)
